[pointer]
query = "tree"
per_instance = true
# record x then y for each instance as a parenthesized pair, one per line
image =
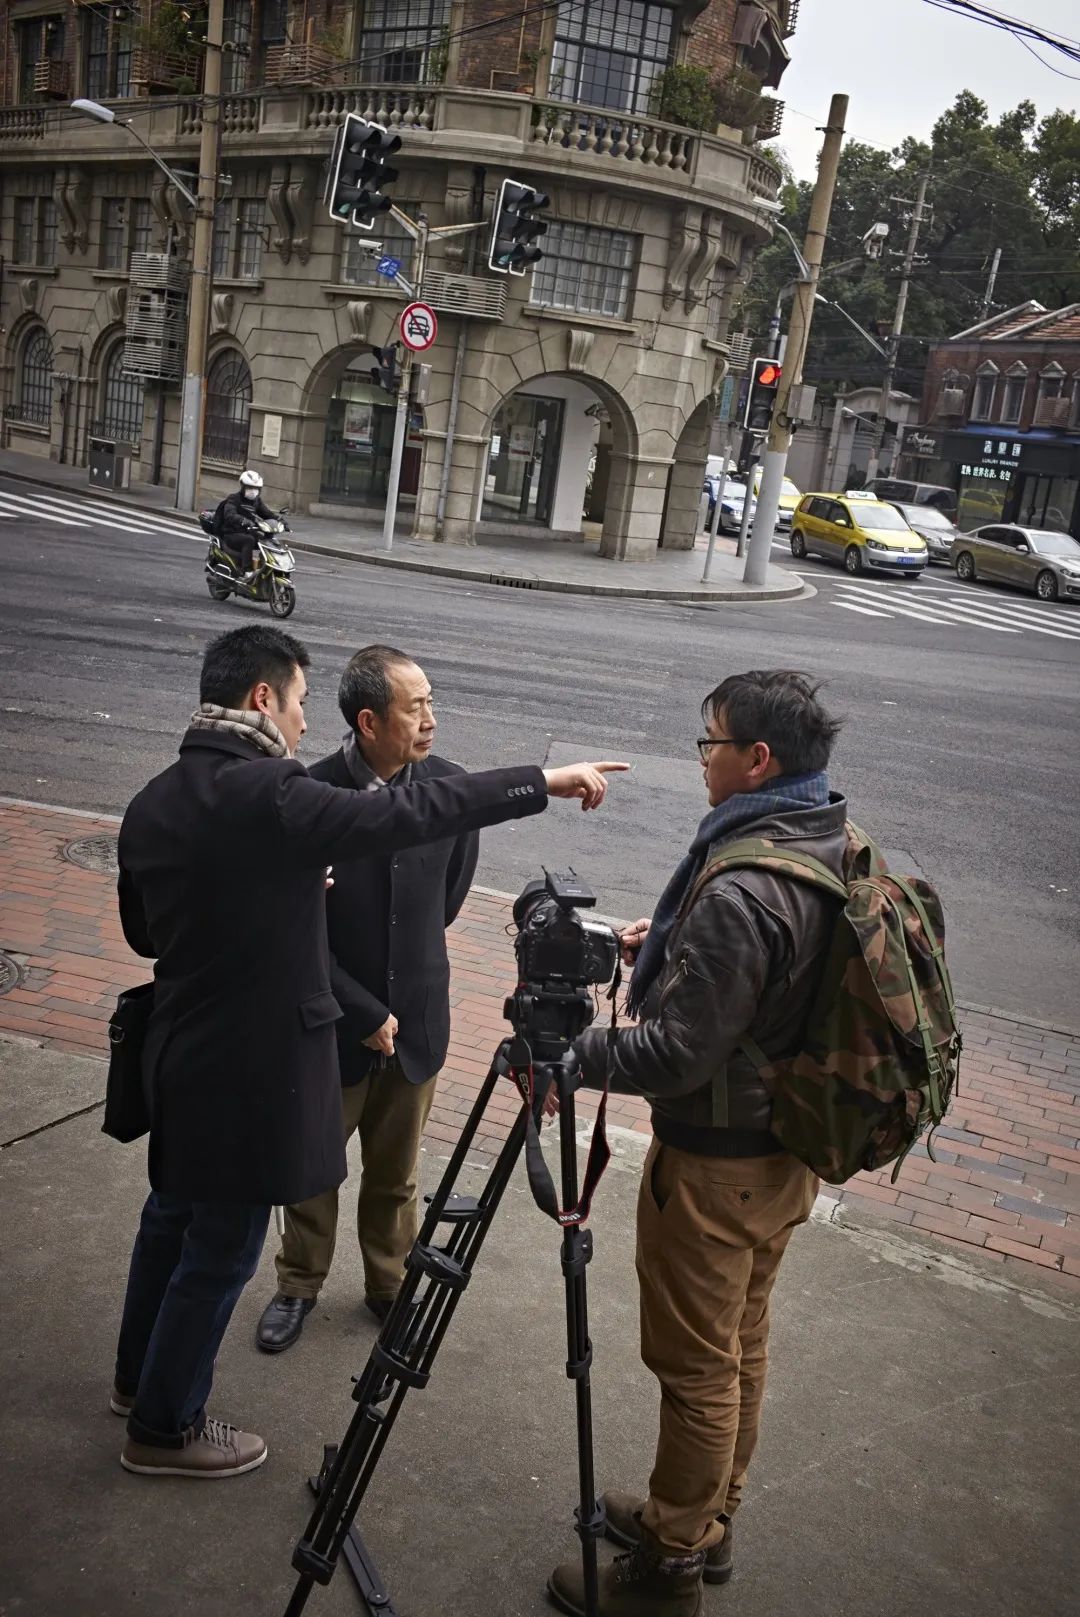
(1013, 184)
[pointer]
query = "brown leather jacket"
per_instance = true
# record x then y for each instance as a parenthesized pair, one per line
(745, 960)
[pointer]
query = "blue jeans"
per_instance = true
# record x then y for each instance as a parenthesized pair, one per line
(190, 1263)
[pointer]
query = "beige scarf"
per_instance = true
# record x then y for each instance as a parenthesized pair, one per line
(257, 728)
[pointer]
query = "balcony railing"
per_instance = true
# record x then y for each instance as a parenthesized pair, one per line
(239, 116)
(606, 134)
(24, 123)
(397, 106)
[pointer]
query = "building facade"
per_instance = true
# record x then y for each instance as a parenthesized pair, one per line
(1000, 420)
(581, 391)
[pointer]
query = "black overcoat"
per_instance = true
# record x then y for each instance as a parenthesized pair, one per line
(222, 867)
(387, 917)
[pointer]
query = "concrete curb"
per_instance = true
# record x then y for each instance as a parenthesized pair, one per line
(766, 593)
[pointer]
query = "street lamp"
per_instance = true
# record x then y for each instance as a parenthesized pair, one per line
(203, 200)
(106, 115)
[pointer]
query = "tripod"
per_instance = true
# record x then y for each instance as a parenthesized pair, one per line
(435, 1277)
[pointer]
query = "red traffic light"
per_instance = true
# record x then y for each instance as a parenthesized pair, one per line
(769, 374)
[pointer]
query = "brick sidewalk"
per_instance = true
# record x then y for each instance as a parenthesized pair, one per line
(1007, 1176)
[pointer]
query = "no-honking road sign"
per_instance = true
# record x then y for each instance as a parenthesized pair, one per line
(418, 326)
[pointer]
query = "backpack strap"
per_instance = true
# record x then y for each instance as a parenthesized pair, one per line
(750, 853)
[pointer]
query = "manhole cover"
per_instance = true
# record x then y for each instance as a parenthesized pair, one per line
(10, 975)
(93, 853)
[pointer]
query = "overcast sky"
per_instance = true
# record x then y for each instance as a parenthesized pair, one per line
(902, 62)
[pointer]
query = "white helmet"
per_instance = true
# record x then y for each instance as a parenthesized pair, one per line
(250, 479)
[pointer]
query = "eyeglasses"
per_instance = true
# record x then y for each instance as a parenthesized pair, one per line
(705, 742)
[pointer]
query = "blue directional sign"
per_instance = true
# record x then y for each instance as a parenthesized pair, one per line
(389, 267)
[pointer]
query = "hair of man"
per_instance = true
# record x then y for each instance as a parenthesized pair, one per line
(366, 682)
(235, 662)
(780, 707)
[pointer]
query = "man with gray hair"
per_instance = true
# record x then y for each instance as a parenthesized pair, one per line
(387, 918)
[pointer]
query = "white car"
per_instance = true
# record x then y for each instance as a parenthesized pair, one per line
(732, 505)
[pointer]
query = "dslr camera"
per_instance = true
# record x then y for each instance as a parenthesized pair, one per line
(561, 956)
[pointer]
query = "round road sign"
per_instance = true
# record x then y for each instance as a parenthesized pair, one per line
(418, 326)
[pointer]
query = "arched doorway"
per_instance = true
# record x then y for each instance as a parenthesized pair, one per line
(358, 443)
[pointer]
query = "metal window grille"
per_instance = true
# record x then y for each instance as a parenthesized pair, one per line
(358, 266)
(142, 224)
(221, 260)
(585, 268)
(236, 31)
(398, 37)
(122, 61)
(250, 234)
(113, 245)
(608, 53)
(275, 17)
(228, 409)
(122, 398)
(48, 232)
(34, 395)
(25, 209)
(97, 56)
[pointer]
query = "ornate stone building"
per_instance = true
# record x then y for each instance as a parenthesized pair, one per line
(581, 391)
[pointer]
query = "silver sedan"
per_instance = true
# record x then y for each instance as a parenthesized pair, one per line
(1030, 558)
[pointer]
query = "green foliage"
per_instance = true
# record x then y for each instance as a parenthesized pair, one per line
(1013, 184)
(690, 97)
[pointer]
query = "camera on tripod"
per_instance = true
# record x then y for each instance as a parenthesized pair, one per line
(561, 956)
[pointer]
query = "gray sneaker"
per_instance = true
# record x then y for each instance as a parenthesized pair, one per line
(219, 1450)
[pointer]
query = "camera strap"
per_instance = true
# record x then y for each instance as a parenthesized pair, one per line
(540, 1181)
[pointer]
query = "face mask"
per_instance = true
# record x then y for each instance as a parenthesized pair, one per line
(251, 493)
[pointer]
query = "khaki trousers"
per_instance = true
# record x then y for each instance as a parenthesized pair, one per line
(388, 1113)
(711, 1233)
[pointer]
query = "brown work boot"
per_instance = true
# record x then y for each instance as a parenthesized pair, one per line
(623, 1512)
(219, 1450)
(648, 1581)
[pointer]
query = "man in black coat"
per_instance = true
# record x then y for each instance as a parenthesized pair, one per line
(222, 878)
(386, 919)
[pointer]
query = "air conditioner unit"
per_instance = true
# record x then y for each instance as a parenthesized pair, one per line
(951, 401)
(1053, 413)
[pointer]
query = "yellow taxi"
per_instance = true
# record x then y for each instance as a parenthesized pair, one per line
(788, 502)
(863, 533)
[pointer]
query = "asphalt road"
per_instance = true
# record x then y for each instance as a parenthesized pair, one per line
(959, 747)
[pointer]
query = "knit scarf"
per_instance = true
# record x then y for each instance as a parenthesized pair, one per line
(361, 771)
(257, 728)
(781, 796)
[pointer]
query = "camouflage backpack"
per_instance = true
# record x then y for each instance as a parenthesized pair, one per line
(881, 1048)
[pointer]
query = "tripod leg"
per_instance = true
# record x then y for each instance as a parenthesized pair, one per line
(406, 1348)
(577, 1249)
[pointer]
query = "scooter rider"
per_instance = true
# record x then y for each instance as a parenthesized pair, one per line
(235, 515)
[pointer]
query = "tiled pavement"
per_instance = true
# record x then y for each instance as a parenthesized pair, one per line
(1007, 1175)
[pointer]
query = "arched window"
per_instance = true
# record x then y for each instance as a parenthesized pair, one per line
(33, 381)
(228, 409)
(121, 400)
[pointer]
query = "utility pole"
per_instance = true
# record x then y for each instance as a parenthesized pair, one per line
(874, 465)
(202, 256)
(991, 283)
(401, 419)
(778, 441)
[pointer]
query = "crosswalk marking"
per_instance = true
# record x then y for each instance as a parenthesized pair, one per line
(941, 604)
(75, 511)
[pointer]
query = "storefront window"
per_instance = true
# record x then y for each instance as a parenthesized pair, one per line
(1048, 502)
(984, 491)
(526, 442)
(359, 440)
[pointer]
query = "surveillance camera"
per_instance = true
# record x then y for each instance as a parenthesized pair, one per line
(877, 232)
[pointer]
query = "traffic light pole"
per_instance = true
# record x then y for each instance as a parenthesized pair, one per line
(778, 441)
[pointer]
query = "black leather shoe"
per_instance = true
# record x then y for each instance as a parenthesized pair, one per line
(379, 1306)
(282, 1322)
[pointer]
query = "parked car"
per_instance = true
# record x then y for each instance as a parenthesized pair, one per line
(934, 526)
(789, 499)
(1031, 558)
(899, 488)
(860, 532)
(732, 505)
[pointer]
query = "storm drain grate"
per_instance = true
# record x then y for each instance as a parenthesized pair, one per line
(10, 975)
(514, 583)
(93, 853)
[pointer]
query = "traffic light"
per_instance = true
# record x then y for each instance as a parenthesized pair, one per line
(386, 374)
(515, 227)
(359, 172)
(761, 394)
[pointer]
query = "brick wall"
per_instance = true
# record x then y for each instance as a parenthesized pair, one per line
(498, 50)
(709, 43)
(967, 357)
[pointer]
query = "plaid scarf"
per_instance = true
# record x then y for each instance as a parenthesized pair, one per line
(781, 796)
(257, 728)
